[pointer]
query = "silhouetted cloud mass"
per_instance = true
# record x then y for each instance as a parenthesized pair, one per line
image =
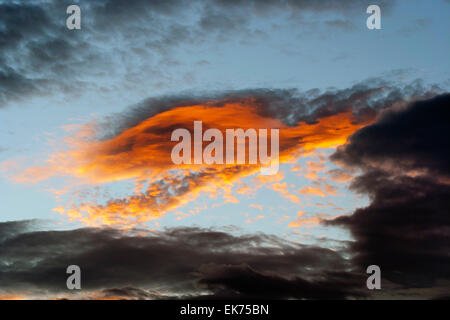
(175, 263)
(405, 162)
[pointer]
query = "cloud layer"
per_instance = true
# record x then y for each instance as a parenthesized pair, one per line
(129, 41)
(175, 263)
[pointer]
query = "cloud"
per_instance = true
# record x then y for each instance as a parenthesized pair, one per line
(422, 146)
(129, 41)
(135, 145)
(308, 222)
(37, 32)
(12, 228)
(283, 190)
(404, 159)
(126, 293)
(339, 175)
(267, 285)
(175, 263)
(256, 206)
(340, 6)
(312, 191)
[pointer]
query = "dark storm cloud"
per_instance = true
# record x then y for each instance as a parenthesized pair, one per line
(182, 262)
(405, 162)
(39, 56)
(414, 139)
(242, 281)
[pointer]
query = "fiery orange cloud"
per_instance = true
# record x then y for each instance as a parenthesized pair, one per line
(142, 153)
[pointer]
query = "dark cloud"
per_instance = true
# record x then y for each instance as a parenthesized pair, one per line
(181, 262)
(242, 281)
(12, 228)
(53, 59)
(47, 56)
(411, 139)
(130, 293)
(405, 162)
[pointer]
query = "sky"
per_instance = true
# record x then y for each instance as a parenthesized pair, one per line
(85, 170)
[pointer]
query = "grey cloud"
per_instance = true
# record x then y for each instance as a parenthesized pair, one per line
(182, 262)
(228, 280)
(187, 263)
(13, 228)
(40, 56)
(131, 293)
(342, 6)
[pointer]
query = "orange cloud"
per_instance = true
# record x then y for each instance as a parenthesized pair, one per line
(256, 206)
(307, 222)
(141, 153)
(250, 220)
(284, 191)
(311, 191)
(321, 188)
(315, 167)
